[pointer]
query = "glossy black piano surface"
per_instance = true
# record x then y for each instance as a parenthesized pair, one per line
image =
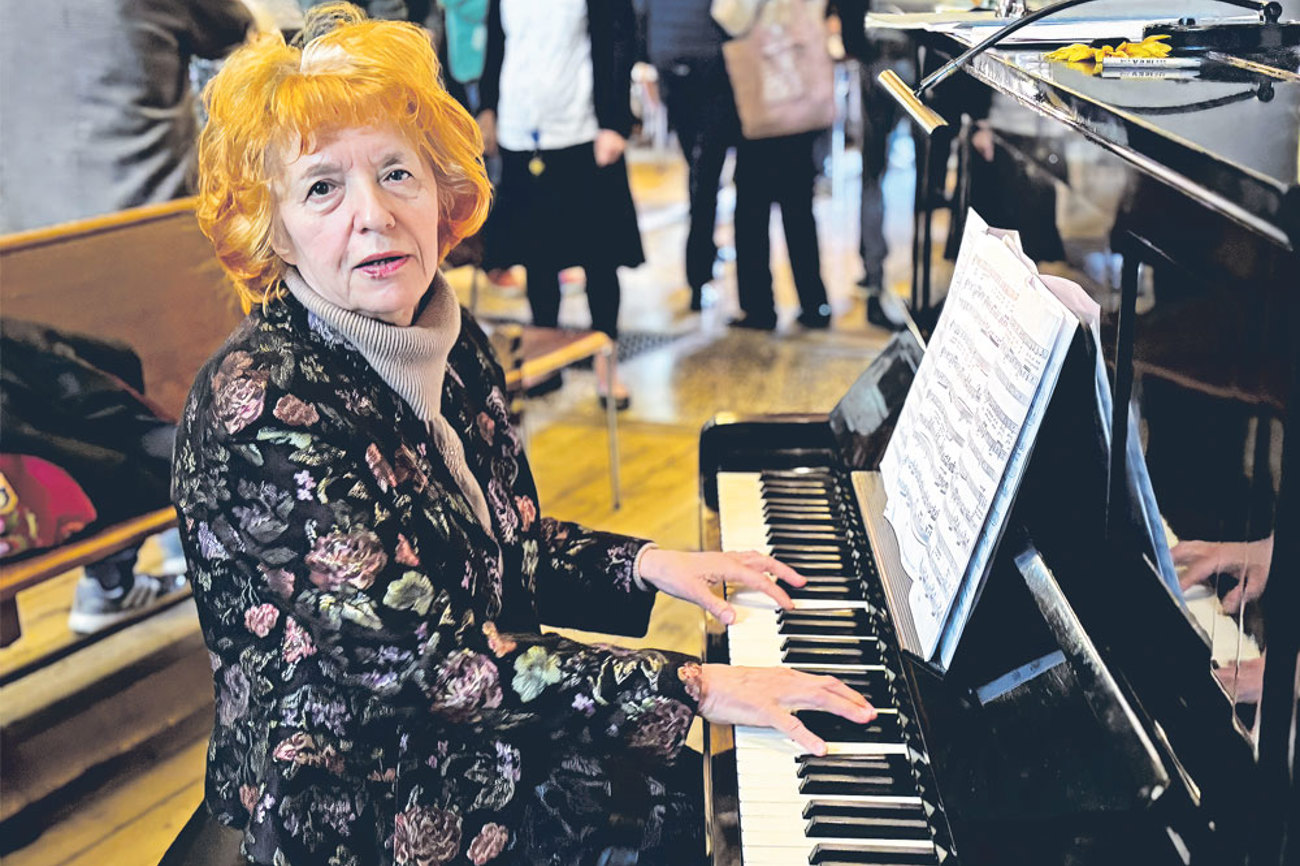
(1224, 137)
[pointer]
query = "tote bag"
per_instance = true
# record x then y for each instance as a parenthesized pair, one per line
(781, 72)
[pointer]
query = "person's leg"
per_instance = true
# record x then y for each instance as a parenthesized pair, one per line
(115, 573)
(603, 297)
(543, 280)
(753, 246)
(715, 130)
(679, 84)
(878, 117)
(543, 289)
(795, 195)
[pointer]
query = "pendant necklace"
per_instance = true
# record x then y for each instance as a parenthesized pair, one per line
(537, 165)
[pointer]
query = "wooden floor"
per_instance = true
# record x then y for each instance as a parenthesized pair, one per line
(675, 389)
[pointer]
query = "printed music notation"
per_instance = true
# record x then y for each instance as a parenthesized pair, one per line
(951, 469)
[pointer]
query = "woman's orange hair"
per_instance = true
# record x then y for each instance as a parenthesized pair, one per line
(270, 98)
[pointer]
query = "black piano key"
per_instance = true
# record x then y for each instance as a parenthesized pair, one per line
(802, 523)
(800, 517)
(828, 576)
(867, 827)
(873, 685)
(812, 766)
(847, 853)
(825, 560)
(796, 496)
(832, 656)
(866, 656)
(833, 649)
(820, 471)
(803, 509)
(904, 811)
(837, 729)
(783, 494)
(823, 475)
(820, 582)
(856, 784)
(851, 616)
(863, 622)
(831, 593)
(888, 861)
(778, 537)
(843, 641)
(895, 765)
(807, 652)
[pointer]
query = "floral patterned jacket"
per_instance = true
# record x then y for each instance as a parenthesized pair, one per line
(384, 694)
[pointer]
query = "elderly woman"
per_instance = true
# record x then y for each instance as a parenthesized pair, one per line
(365, 544)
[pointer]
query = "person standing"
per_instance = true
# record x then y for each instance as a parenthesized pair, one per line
(556, 100)
(684, 44)
(106, 120)
(772, 169)
(777, 170)
(875, 53)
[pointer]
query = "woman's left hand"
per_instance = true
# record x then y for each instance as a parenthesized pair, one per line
(693, 577)
(609, 147)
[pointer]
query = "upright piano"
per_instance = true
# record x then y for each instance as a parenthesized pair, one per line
(1079, 721)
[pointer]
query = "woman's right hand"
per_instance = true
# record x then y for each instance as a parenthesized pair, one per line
(487, 125)
(1248, 561)
(768, 697)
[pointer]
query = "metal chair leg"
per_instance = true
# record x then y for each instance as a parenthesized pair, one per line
(610, 354)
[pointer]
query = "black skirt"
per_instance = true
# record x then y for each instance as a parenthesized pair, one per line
(571, 214)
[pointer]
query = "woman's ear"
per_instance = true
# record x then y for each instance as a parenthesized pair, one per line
(280, 243)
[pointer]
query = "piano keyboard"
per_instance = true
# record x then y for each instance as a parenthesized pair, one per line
(867, 801)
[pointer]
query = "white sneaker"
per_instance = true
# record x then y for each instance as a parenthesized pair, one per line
(94, 609)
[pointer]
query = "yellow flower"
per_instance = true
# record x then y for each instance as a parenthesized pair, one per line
(1152, 46)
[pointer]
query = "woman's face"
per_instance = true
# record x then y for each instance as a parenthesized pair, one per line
(358, 217)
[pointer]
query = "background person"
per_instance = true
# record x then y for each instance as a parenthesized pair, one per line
(108, 121)
(556, 100)
(685, 45)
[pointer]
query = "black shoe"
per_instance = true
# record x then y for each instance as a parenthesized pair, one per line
(816, 320)
(697, 298)
(753, 323)
(620, 403)
(553, 382)
(877, 315)
(870, 282)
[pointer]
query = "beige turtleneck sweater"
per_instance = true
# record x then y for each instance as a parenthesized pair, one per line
(412, 361)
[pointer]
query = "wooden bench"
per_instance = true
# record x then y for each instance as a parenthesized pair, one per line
(146, 277)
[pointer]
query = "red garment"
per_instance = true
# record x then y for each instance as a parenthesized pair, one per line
(40, 505)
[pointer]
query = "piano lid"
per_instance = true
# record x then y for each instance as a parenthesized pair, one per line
(1227, 138)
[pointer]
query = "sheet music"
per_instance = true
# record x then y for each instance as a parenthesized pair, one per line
(952, 466)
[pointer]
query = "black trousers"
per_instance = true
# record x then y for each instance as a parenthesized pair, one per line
(880, 114)
(781, 171)
(702, 108)
(603, 295)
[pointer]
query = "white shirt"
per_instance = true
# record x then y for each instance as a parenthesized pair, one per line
(546, 99)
